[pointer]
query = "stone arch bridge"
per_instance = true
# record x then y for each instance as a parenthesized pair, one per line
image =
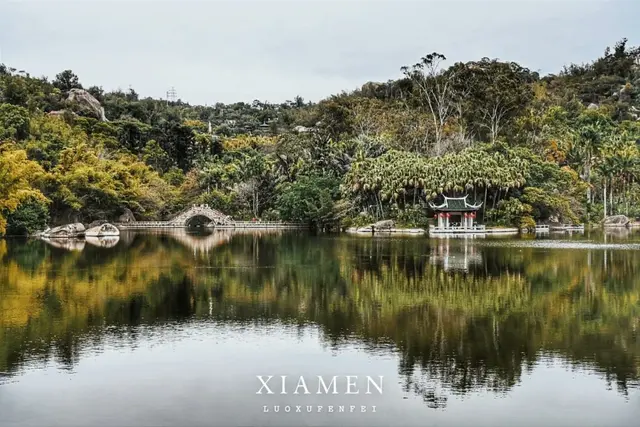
(213, 217)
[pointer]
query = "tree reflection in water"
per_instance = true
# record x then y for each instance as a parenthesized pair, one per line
(464, 315)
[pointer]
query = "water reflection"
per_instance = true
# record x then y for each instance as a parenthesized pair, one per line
(464, 315)
(68, 244)
(460, 259)
(103, 242)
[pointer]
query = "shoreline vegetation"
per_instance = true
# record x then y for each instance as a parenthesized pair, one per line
(561, 148)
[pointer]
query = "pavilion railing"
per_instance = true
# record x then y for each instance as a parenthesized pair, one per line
(458, 227)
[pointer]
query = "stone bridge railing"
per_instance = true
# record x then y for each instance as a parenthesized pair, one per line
(226, 226)
(146, 224)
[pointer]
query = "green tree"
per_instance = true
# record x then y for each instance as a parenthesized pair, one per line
(17, 176)
(14, 122)
(66, 80)
(310, 199)
(29, 217)
(492, 93)
(434, 90)
(156, 157)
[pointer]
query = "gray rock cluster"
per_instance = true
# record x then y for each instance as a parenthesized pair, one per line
(83, 101)
(87, 103)
(64, 231)
(616, 221)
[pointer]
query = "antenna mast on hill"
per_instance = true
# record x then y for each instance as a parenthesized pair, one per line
(171, 95)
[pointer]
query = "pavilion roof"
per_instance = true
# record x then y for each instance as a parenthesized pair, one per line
(455, 204)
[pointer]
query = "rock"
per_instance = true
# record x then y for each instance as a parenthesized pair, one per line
(61, 113)
(592, 106)
(65, 231)
(96, 223)
(384, 225)
(127, 216)
(87, 103)
(616, 221)
(625, 93)
(301, 129)
(103, 230)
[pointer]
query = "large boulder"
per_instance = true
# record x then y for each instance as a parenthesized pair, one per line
(64, 231)
(87, 103)
(615, 221)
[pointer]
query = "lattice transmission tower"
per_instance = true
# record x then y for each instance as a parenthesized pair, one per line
(172, 95)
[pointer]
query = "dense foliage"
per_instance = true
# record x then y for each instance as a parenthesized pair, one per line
(560, 147)
(458, 316)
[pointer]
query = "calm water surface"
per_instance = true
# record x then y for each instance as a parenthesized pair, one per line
(172, 328)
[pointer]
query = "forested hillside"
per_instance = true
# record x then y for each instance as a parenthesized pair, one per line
(532, 148)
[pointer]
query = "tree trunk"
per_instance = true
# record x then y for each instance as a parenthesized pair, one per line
(255, 203)
(605, 198)
(587, 178)
(611, 198)
(484, 205)
(626, 197)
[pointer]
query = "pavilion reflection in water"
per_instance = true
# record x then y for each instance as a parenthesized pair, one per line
(455, 257)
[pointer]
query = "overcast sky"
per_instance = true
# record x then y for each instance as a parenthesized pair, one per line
(226, 51)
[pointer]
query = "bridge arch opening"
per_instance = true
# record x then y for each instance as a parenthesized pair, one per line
(198, 221)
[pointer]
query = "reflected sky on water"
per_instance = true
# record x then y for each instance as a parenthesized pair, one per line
(171, 327)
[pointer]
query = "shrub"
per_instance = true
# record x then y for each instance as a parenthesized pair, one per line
(29, 217)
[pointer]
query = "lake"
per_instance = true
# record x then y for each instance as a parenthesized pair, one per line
(173, 328)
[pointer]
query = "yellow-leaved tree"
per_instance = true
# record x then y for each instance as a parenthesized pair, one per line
(17, 176)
